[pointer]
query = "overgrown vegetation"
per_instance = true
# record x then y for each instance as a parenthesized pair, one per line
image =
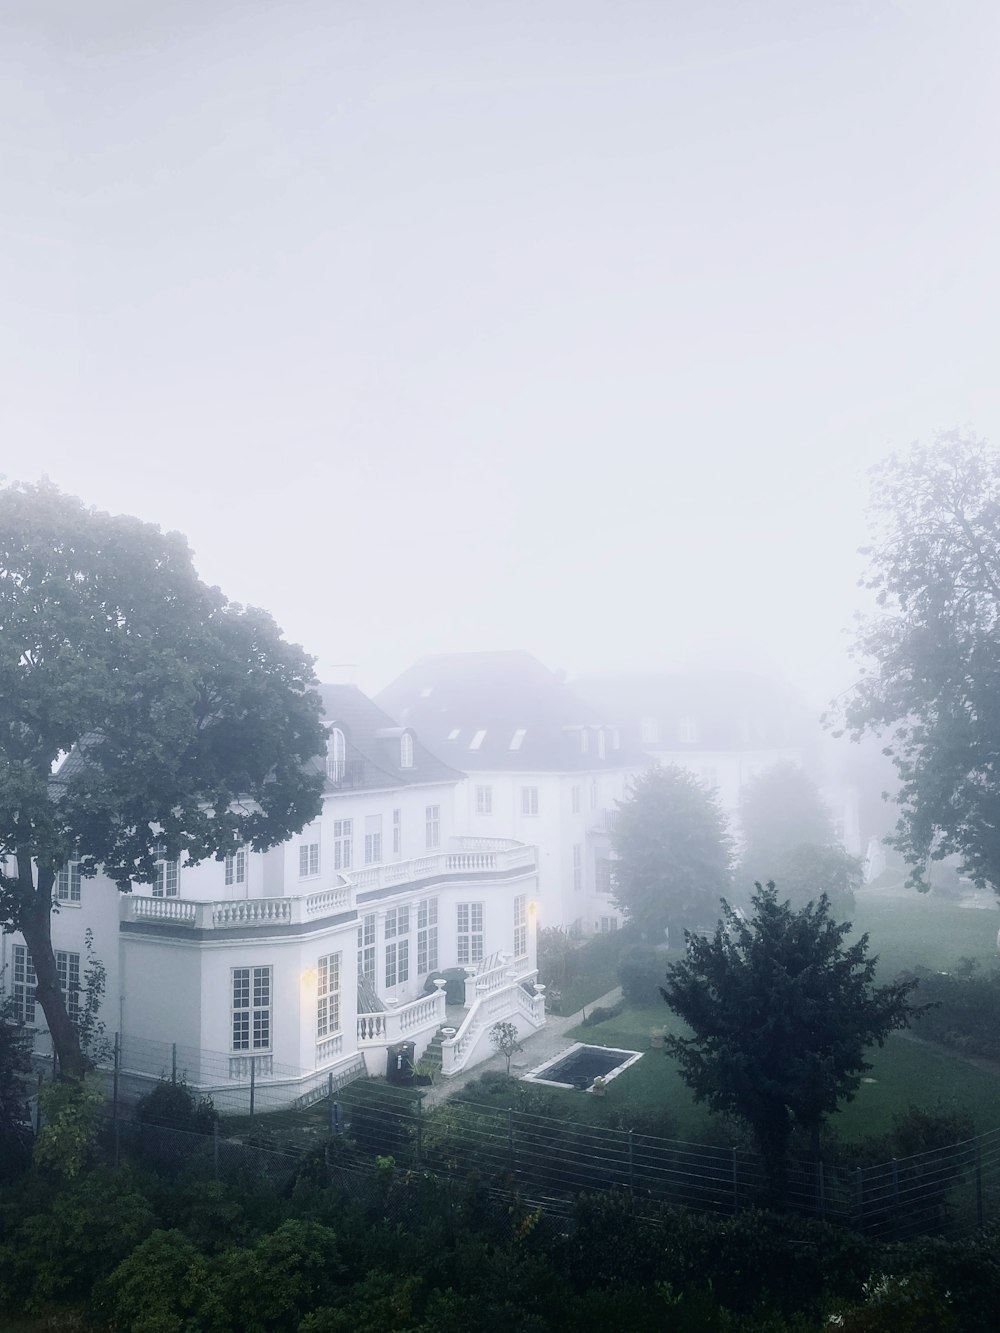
(579, 971)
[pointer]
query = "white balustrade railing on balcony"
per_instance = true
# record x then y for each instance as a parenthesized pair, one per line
(603, 821)
(235, 912)
(391, 1025)
(329, 1048)
(468, 861)
(488, 1008)
(466, 844)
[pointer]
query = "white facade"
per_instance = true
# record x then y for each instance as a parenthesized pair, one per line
(254, 962)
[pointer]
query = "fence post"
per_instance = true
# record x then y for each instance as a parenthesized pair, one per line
(173, 1062)
(253, 1083)
(510, 1137)
(859, 1195)
(895, 1196)
(215, 1148)
(821, 1190)
(114, 1083)
(736, 1183)
(326, 1159)
(631, 1163)
(420, 1129)
(979, 1184)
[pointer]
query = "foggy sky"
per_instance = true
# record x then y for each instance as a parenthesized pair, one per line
(564, 326)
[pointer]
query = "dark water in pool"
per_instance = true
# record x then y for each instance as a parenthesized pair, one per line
(584, 1065)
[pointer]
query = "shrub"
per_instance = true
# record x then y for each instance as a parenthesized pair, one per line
(640, 971)
(175, 1106)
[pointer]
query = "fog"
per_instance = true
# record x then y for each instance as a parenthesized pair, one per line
(570, 327)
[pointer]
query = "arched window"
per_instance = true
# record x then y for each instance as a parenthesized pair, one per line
(336, 755)
(406, 750)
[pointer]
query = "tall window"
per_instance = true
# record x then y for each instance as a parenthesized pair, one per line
(593, 795)
(577, 867)
(24, 983)
(373, 839)
(601, 744)
(397, 833)
(584, 741)
(328, 995)
(397, 946)
(432, 825)
(602, 874)
(608, 924)
(236, 867)
(470, 933)
(575, 800)
(687, 730)
(649, 731)
(427, 936)
(484, 800)
(308, 859)
(529, 800)
(165, 883)
(336, 755)
(68, 969)
(520, 925)
(342, 839)
(366, 947)
(68, 883)
(251, 1008)
(406, 750)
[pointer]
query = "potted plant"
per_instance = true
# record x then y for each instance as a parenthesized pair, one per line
(423, 1074)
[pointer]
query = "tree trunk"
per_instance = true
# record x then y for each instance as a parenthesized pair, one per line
(36, 927)
(773, 1140)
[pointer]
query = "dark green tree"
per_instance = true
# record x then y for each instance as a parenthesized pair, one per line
(781, 1010)
(141, 714)
(806, 871)
(15, 1081)
(780, 809)
(930, 684)
(673, 853)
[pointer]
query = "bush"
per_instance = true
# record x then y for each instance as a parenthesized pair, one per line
(601, 1014)
(175, 1106)
(640, 971)
(966, 1008)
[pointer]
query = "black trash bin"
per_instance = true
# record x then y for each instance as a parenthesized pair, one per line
(399, 1063)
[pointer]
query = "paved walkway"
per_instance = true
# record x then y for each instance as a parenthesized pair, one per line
(538, 1047)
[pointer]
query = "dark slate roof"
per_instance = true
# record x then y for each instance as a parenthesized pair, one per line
(731, 710)
(373, 745)
(452, 698)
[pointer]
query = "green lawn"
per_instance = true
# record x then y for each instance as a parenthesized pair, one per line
(905, 932)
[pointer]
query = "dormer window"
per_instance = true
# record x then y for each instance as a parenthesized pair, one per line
(406, 750)
(336, 755)
(517, 738)
(584, 741)
(687, 730)
(649, 731)
(477, 740)
(454, 734)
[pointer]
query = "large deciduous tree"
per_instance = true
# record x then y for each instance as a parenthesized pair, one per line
(141, 715)
(788, 837)
(781, 1011)
(673, 853)
(931, 668)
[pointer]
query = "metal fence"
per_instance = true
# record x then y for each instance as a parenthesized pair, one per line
(549, 1161)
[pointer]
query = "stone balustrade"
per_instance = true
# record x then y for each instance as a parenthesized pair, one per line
(389, 1026)
(230, 913)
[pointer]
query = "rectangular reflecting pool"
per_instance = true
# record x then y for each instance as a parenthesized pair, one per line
(579, 1065)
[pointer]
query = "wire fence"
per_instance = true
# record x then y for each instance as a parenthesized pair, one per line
(548, 1162)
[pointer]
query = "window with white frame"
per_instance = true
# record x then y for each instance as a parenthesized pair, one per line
(68, 883)
(23, 985)
(574, 797)
(470, 933)
(397, 832)
(649, 731)
(427, 936)
(251, 1008)
(328, 995)
(608, 924)
(236, 867)
(397, 962)
(373, 839)
(584, 741)
(432, 826)
(343, 836)
(577, 867)
(406, 750)
(593, 794)
(603, 874)
(687, 730)
(397, 922)
(68, 971)
(165, 883)
(477, 740)
(529, 800)
(366, 947)
(309, 858)
(336, 755)
(601, 744)
(484, 800)
(520, 925)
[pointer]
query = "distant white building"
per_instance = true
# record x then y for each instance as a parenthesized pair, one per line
(544, 768)
(307, 960)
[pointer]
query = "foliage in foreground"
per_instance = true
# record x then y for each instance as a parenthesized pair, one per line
(132, 1250)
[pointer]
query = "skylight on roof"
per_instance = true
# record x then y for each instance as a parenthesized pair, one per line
(477, 740)
(454, 735)
(517, 738)
(425, 693)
